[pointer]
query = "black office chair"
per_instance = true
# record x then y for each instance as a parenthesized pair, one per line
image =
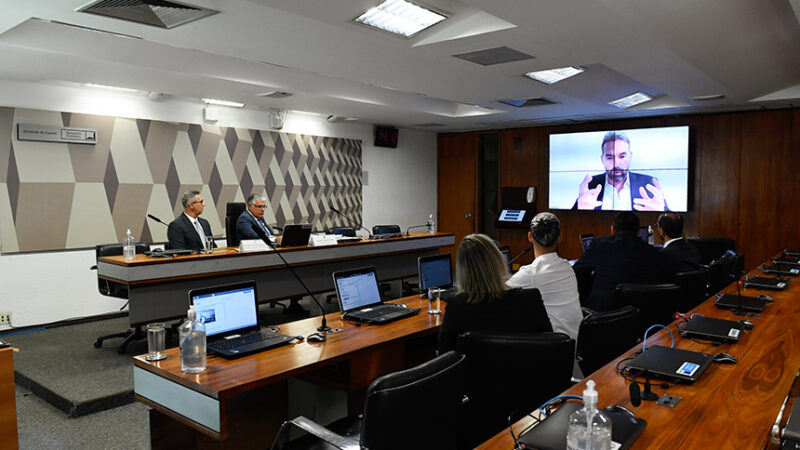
(694, 288)
(414, 408)
(232, 212)
(344, 231)
(510, 372)
(118, 290)
(656, 302)
(711, 248)
(585, 278)
(602, 337)
(724, 271)
(378, 230)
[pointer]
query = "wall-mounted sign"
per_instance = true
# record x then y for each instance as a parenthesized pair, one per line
(47, 133)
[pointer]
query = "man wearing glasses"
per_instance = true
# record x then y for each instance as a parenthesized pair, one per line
(189, 231)
(251, 223)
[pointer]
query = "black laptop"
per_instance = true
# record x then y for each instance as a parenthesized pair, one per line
(586, 240)
(780, 269)
(434, 272)
(359, 298)
(673, 364)
(506, 252)
(230, 314)
(296, 235)
(733, 301)
(716, 330)
(774, 284)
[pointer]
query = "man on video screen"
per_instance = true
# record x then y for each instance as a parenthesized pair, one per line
(618, 188)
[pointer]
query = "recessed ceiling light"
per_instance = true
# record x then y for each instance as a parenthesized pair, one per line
(631, 100)
(400, 17)
(552, 76)
(113, 88)
(213, 101)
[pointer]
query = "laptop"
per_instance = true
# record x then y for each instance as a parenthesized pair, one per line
(672, 364)
(230, 314)
(775, 284)
(434, 272)
(296, 235)
(709, 328)
(731, 301)
(359, 298)
(551, 433)
(791, 261)
(506, 251)
(780, 269)
(586, 240)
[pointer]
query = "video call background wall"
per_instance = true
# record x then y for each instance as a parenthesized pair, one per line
(64, 196)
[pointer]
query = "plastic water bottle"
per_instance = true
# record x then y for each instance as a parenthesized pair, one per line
(193, 343)
(589, 428)
(129, 247)
(650, 235)
(431, 225)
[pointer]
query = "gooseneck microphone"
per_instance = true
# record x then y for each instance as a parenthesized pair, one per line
(348, 220)
(157, 219)
(738, 311)
(425, 225)
(264, 237)
(520, 254)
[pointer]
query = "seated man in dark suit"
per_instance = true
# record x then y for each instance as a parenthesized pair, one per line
(685, 255)
(621, 258)
(189, 231)
(251, 224)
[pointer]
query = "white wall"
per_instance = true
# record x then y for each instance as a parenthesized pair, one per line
(46, 287)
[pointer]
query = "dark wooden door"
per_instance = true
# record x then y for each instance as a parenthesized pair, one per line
(457, 186)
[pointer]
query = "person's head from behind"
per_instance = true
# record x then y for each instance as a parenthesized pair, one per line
(625, 222)
(193, 203)
(670, 226)
(616, 156)
(545, 231)
(481, 270)
(257, 205)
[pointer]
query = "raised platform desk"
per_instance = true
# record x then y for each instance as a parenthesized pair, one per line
(158, 287)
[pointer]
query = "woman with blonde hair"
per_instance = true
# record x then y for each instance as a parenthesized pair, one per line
(483, 300)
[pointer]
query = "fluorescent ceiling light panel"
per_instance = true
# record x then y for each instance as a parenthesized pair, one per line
(113, 88)
(552, 76)
(400, 17)
(631, 100)
(213, 101)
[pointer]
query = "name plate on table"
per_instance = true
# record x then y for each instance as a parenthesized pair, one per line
(319, 240)
(48, 133)
(253, 245)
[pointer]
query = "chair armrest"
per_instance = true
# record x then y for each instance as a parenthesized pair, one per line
(587, 311)
(317, 430)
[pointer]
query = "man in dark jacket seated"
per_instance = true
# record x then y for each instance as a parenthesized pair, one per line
(685, 256)
(251, 224)
(621, 258)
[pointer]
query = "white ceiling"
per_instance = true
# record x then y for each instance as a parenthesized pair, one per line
(746, 50)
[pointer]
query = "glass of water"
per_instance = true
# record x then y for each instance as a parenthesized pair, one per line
(156, 334)
(209, 244)
(434, 300)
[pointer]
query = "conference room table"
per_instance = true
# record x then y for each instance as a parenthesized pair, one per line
(731, 406)
(241, 403)
(158, 287)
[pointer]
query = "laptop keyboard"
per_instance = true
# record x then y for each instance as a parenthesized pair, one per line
(262, 336)
(377, 311)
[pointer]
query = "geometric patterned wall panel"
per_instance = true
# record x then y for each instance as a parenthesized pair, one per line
(65, 196)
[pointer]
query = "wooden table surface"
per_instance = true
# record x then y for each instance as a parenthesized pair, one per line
(731, 406)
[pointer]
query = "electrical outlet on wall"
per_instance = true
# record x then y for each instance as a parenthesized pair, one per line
(5, 318)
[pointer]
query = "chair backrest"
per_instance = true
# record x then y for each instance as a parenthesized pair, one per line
(604, 336)
(232, 212)
(724, 271)
(510, 372)
(694, 288)
(711, 248)
(344, 231)
(656, 302)
(426, 398)
(110, 288)
(385, 229)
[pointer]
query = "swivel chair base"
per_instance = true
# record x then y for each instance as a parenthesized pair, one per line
(131, 335)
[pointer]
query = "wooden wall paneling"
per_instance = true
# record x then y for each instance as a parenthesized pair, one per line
(765, 139)
(457, 186)
(788, 217)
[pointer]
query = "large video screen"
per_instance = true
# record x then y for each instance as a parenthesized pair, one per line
(644, 169)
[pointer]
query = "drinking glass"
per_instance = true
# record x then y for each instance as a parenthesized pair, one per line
(209, 244)
(156, 333)
(434, 300)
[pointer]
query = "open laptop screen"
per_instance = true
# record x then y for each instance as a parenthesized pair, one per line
(225, 309)
(434, 272)
(357, 289)
(506, 251)
(586, 240)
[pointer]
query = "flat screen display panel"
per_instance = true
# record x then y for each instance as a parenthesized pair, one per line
(511, 215)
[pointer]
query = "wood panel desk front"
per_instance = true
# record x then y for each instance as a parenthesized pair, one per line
(732, 406)
(158, 287)
(231, 397)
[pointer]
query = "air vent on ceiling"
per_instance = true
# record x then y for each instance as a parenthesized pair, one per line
(274, 94)
(525, 102)
(158, 13)
(491, 56)
(707, 98)
(427, 125)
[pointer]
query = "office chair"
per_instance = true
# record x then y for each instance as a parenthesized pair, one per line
(694, 288)
(602, 337)
(232, 212)
(510, 372)
(118, 290)
(724, 271)
(344, 231)
(656, 302)
(378, 230)
(711, 248)
(413, 408)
